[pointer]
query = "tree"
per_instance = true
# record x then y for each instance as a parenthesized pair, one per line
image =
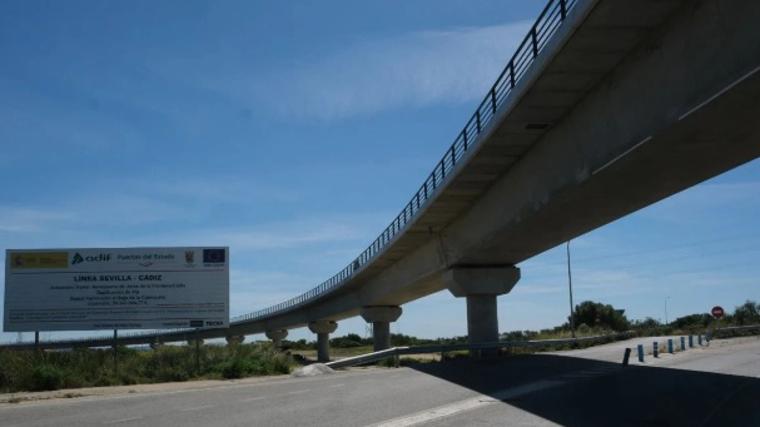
(700, 320)
(747, 313)
(595, 314)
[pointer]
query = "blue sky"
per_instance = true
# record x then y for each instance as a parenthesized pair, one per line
(293, 132)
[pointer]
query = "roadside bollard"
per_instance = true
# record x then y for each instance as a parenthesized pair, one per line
(670, 345)
(699, 339)
(626, 356)
(640, 349)
(655, 353)
(691, 341)
(683, 343)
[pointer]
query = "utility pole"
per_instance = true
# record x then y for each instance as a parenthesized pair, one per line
(570, 288)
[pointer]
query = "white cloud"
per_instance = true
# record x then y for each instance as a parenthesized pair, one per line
(28, 220)
(416, 69)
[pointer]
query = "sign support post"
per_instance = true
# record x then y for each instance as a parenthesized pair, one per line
(197, 352)
(115, 352)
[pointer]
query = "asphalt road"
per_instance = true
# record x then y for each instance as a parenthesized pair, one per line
(719, 386)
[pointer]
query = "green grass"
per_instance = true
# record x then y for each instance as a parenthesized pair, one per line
(52, 370)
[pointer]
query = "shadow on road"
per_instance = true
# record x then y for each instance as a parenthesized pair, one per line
(585, 392)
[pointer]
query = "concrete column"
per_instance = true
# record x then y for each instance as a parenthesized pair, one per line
(323, 329)
(277, 335)
(381, 318)
(233, 340)
(481, 285)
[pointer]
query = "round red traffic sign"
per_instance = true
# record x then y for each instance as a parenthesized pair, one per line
(717, 312)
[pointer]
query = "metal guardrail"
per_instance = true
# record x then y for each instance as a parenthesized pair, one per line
(549, 20)
(377, 356)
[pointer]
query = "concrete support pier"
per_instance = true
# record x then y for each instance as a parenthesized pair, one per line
(323, 329)
(481, 286)
(277, 335)
(381, 318)
(233, 340)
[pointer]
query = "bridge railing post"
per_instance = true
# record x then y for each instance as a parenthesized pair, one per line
(534, 41)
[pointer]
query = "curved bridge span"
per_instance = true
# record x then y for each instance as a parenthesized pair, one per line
(606, 107)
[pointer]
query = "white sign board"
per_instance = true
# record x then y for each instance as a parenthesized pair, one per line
(134, 288)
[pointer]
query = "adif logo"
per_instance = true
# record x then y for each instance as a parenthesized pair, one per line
(78, 258)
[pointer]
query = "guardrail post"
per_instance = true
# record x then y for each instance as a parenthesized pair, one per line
(640, 349)
(670, 345)
(683, 343)
(655, 351)
(626, 356)
(691, 341)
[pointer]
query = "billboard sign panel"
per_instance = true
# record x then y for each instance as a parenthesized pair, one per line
(110, 288)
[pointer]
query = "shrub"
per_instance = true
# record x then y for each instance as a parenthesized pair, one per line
(46, 377)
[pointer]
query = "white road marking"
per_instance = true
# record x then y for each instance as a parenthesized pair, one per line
(466, 405)
(197, 408)
(123, 420)
(274, 396)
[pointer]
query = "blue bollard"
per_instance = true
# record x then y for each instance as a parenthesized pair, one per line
(655, 353)
(670, 345)
(691, 341)
(683, 343)
(699, 339)
(640, 349)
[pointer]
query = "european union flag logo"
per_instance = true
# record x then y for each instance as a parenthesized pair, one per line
(213, 256)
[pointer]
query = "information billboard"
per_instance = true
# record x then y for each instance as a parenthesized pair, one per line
(111, 288)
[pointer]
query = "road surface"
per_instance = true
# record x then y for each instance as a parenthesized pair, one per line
(715, 386)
